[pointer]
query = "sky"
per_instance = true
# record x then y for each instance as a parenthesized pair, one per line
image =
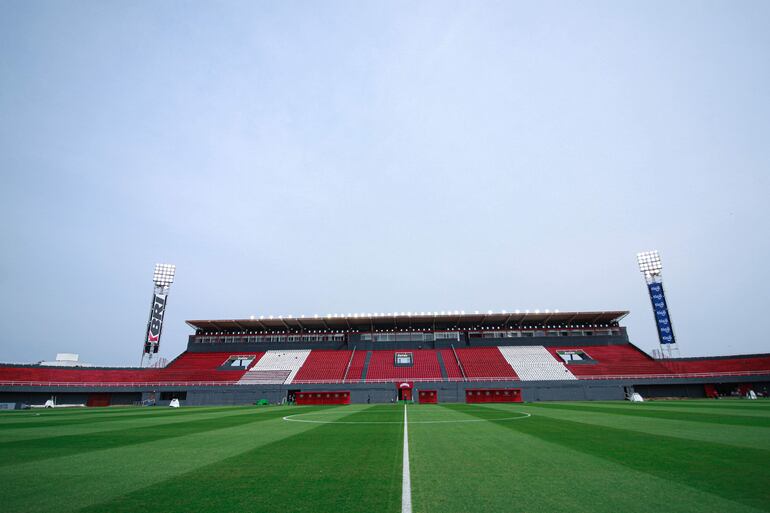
(336, 157)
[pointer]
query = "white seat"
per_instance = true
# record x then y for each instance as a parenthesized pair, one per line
(276, 367)
(535, 363)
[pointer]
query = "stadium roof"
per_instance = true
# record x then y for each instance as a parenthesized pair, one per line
(428, 321)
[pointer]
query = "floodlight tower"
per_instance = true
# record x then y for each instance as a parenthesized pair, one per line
(652, 268)
(162, 280)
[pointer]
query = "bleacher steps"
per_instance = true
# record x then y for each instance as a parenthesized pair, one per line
(366, 365)
(441, 366)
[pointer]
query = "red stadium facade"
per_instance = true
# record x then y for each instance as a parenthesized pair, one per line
(540, 356)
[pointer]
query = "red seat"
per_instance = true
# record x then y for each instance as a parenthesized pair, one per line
(323, 365)
(719, 365)
(614, 360)
(424, 366)
(485, 362)
(453, 371)
(356, 367)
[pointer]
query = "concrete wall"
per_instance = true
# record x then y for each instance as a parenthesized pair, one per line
(362, 393)
(574, 390)
(39, 398)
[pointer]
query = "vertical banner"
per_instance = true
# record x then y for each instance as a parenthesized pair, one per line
(662, 318)
(155, 324)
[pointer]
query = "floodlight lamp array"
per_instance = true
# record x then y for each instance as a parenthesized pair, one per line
(164, 274)
(649, 262)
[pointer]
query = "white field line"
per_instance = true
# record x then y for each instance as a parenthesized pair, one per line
(406, 482)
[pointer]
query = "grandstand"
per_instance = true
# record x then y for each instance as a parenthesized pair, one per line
(548, 356)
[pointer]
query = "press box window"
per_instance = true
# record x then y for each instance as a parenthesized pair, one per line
(574, 356)
(403, 360)
(238, 362)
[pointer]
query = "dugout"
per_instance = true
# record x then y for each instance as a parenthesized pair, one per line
(427, 396)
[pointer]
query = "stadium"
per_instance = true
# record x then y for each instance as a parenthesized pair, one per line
(428, 412)
(437, 357)
(444, 176)
(431, 411)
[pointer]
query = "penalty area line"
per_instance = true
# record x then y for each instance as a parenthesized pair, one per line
(406, 481)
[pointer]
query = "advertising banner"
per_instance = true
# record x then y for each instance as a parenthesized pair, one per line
(155, 324)
(662, 318)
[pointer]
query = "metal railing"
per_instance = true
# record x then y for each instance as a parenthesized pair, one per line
(677, 375)
(113, 384)
(144, 384)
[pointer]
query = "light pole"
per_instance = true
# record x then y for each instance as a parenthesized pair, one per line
(652, 268)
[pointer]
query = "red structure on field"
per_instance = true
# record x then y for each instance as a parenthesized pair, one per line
(405, 391)
(427, 397)
(493, 395)
(307, 398)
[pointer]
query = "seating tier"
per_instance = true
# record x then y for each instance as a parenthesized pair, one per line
(485, 362)
(745, 364)
(290, 360)
(614, 360)
(424, 366)
(322, 365)
(453, 371)
(356, 367)
(535, 363)
(204, 367)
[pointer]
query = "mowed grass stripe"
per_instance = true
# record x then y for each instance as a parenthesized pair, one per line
(21, 451)
(72, 482)
(78, 426)
(714, 468)
(488, 467)
(739, 436)
(738, 402)
(327, 468)
(739, 405)
(641, 411)
(45, 419)
(712, 407)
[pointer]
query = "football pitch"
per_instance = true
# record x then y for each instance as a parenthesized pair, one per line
(674, 456)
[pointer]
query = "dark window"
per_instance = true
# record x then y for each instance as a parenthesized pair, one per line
(167, 396)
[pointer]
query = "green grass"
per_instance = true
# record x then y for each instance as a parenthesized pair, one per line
(680, 456)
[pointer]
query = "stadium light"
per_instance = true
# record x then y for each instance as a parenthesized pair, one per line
(651, 266)
(162, 278)
(164, 274)
(649, 262)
